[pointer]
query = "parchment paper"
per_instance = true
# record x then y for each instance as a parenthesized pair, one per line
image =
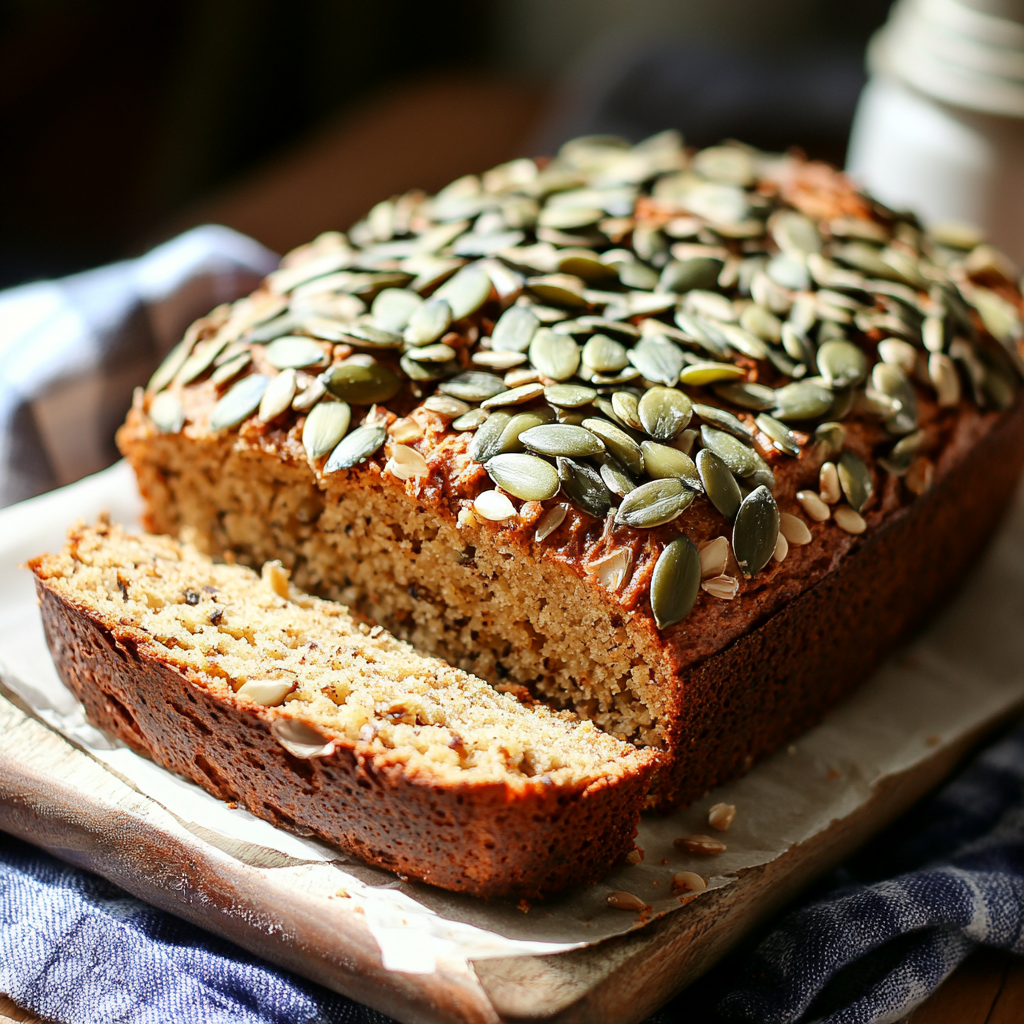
(967, 668)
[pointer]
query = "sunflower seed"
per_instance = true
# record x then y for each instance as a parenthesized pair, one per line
(562, 439)
(849, 520)
(802, 400)
(556, 356)
(514, 396)
(550, 521)
(472, 386)
(664, 412)
(584, 487)
(325, 426)
(406, 463)
(494, 506)
(239, 402)
(855, 478)
(719, 484)
(710, 373)
(166, 411)
(625, 404)
(524, 476)
(782, 437)
(841, 363)
(755, 531)
(393, 309)
(514, 330)
(569, 396)
(616, 479)
(618, 443)
(662, 462)
(467, 291)
(604, 354)
(362, 385)
(173, 362)
(724, 420)
(471, 420)
(794, 529)
(654, 504)
(356, 448)
(428, 322)
(675, 582)
(486, 442)
(739, 457)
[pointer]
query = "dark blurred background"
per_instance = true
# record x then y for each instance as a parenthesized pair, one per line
(123, 122)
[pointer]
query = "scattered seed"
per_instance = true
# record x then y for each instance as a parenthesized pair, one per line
(946, 381)
(494, 506)
(688, 881)
(714, 556)
(828, 484)
(664, 412)
(723, 587)
(849, 520)
(406, 463)
(550, 521)
(356, 448)
(781, 548)
(675, 582)
(393, 309)
(747, 395)
(739, 457)
(794, 529)
(722, 419)
(604, 354)
(755, 531)
(855, 478)
(308, 397)
(498, 360)
(626, 901)
(898, 353)
(700, 844)
(721, 816)
(812, 504)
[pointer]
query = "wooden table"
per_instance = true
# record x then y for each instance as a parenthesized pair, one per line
(427, 136)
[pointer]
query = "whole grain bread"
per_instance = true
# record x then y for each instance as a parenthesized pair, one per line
(849, 375)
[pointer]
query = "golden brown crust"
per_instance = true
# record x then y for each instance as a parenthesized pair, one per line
(488, 839)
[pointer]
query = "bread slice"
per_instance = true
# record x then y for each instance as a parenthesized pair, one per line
(316, 721)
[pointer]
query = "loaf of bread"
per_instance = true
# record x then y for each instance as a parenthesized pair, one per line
(285, 704)
(683, 442)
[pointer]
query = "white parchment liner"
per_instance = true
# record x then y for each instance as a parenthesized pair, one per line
(967, 668)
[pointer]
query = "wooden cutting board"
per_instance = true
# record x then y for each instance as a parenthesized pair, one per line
(60, 798)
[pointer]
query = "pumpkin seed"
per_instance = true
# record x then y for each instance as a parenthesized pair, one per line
(494, 506)
(830, 438)
(524, 476)
(514, 330)
(802, 400)
(675, 582)
(796, 345)
(467, 291)
(509, 441)
(445, 405)
(561, 290)
(325, 426)
(486, 442)
(719, 484)
(362, 385)
(240, 401)
(787, 271)
(277, 328)
(684, 275)
(498, 360)
(584, 487)
(550, 521)
(562, 439)
(415, 370)
(664, 412)
(278, 396)
(662, 462)
(293, 352)
(625, 404)
(618, 443)
(892, 381)
(604, 354)
(356, 448)
(795, 233)
(436, 353)
(855, 479)
(167, 413)
(755, 531)
(473, 386)
(710, 373)
(700, 332)
(658, 359)
(724, 420)
(471, 420)
(569, 396)
(841, 363)
(616, 479)
(514, 396)
(739, 457)
(173, 362)
(747, 395)
(393, 309)
(555, 355)
(745, 342)
(782, 437)
(231, 369)
(903, 453)
(428, 322)
(710, 304)
(654, 504)
(201, 360)
(761, 322)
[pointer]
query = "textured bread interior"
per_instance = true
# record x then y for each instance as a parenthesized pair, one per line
(228, 627)
(466, 595)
